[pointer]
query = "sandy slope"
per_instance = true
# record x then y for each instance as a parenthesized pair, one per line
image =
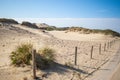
(77, 36)
(64, 45)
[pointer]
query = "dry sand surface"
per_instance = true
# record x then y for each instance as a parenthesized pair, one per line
(64, 45)
(116, 75)
(77, 36)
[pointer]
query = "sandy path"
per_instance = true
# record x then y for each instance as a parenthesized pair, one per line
(116, 75)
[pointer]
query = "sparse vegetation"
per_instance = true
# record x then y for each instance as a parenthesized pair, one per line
(88, 31)
(50, 28)
(45, 58)
(31, 25)
(85, 30)
(111, 32)
(8, 21)
(22, 55)
(62, 28)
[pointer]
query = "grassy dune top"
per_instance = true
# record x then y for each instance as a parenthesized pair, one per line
(9, 21)
(68, 29)
(86, 30)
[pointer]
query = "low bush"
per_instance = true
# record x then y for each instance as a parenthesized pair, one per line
(45, 58)
(22, 55)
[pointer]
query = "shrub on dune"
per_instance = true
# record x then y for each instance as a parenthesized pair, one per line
(46, 58)
(22, 55)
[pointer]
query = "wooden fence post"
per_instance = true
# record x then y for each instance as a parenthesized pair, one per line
(110, 44)
(100, 49)
(105, 47)
(91, 52)
(34, 64)
(75, 55)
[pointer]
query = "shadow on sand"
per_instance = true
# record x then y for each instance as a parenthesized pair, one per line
(58, 68)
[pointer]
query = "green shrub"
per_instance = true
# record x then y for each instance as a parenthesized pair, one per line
(51, 28)
(22, 55)
(46, 58)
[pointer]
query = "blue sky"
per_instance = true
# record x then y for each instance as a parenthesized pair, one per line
(101, 14)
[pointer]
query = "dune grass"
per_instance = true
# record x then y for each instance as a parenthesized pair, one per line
(45, 58)
(22, 55)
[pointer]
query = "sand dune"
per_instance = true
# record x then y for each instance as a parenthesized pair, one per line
(79, 37)
(64, 44)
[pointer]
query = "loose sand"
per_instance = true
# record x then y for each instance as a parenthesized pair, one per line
(116, 75)
(64, 45)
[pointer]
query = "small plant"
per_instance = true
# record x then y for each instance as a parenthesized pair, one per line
(68, 64)
(22, 55)
(46, 58)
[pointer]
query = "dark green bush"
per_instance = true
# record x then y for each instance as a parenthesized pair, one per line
(22, 55)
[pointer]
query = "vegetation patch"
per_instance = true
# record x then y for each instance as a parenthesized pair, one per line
(22, 55)
(8, 21)
(88, 31)
(31, 25)
(45, 58)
